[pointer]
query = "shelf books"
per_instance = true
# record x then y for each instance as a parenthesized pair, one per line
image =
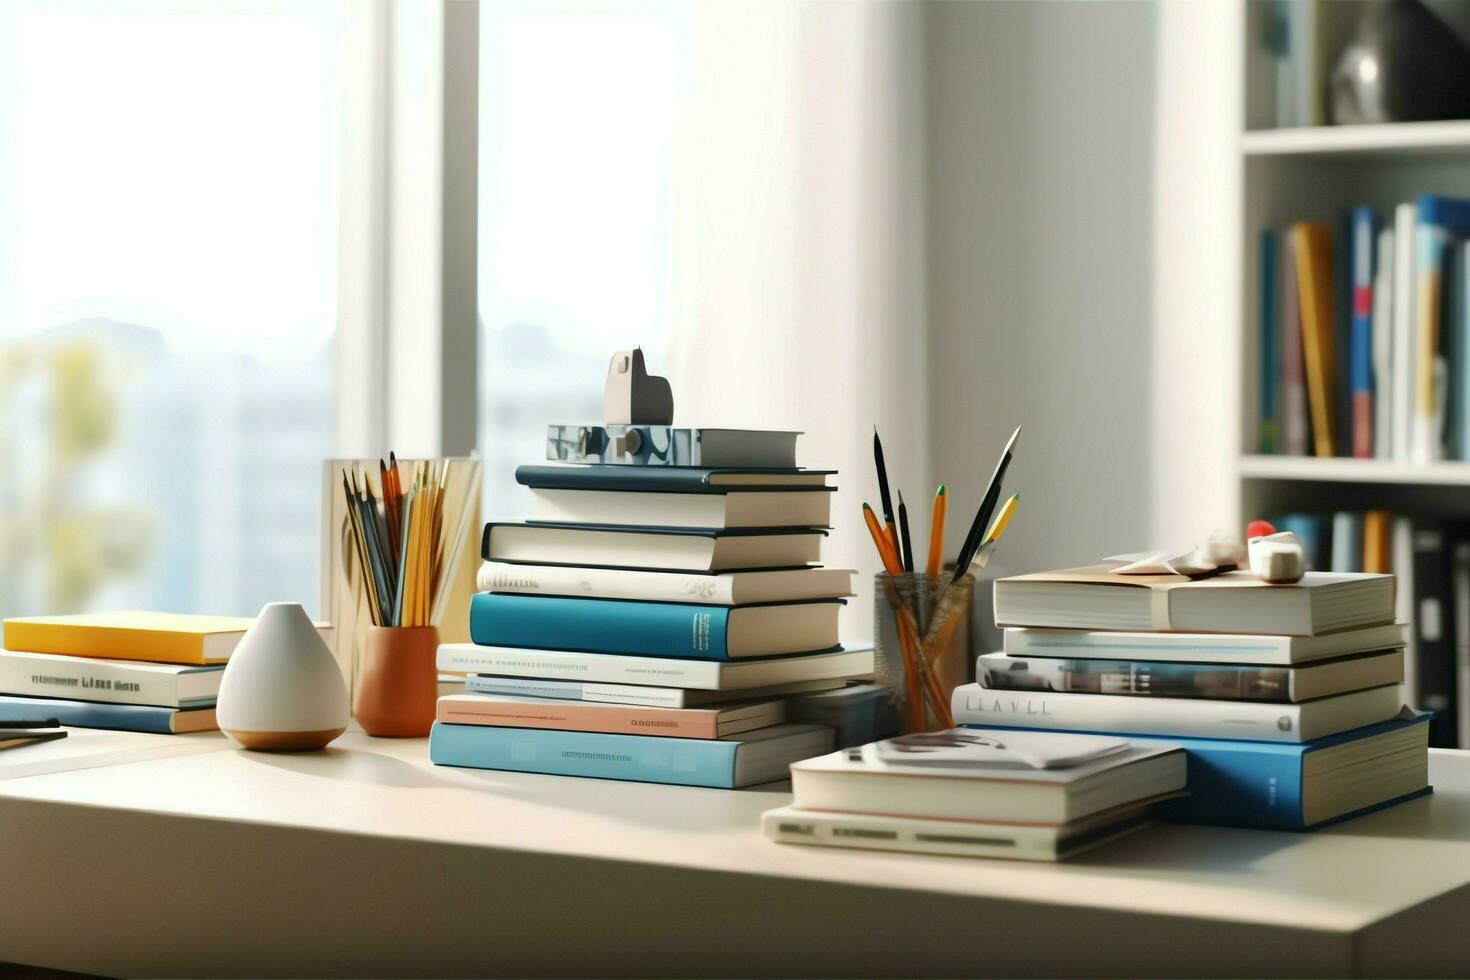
(1040, 796)
(1282, 691)
(1364, 334)
(652, 625)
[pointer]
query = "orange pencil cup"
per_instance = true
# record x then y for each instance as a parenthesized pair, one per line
(398, 691)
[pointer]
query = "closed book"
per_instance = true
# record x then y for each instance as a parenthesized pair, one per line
(1404, 328)
(1297, 787)
(1229, 648)
(857, 781)
(1347, 541)
(973, 838)
(1434, 632)
(1315, 533)
(1312, 249)
(1095, 598)
(175, 638)
(1269, 378)
(712, 675)
(723, 589)
(114, 681)
(726, 509)
(119, 717)
(1460, 592)
(1438, 220)
(579, 716)
(1226, 682)
(1382, 329)
(664, 549)
(653, 629)
(725, 763)
(650, 446)
(642, 694)
(1296, 429)
(1193, 718)
(1377, 542)
(675, 479)
(1362, 245)
(1459, 328)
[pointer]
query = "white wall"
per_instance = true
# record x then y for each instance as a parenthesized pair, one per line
(1041, 131)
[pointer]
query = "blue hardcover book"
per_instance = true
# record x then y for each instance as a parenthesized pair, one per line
(1281, 786)
(654, 629)
(726, 763)
(119, 717)
(668, 479)
(1270, 378)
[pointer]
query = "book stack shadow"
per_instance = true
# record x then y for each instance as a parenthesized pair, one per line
(1286, 698)
(662, 624)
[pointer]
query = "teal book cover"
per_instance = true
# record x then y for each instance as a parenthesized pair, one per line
(640, 758)
(88, 714)
(655, 629)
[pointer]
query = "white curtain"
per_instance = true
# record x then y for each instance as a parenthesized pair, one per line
(799, 254)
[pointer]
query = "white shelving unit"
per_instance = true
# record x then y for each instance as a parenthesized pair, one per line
(1310, 174)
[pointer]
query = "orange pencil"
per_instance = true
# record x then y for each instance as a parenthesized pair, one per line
(936, 532)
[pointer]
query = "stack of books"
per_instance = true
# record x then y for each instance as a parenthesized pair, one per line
(1288, 699)
(1025, 795)
(129, 671)
(650, 623)
(1365, 334)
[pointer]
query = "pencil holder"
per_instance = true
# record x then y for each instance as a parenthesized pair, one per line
(917, 616)
(398, 687)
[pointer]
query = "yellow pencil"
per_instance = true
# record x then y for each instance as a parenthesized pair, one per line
(998, 526)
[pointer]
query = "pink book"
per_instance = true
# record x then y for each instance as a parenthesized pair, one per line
(716, 721)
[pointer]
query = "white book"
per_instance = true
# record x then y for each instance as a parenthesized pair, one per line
(655, 697)
(1095, 598)
(1404, 218)
(855, 781)
(973, 838)
(51, 675)
(1221, 648)
(754, 508)
(1383, 382)
(664, 549)
(723, 589)
(1177, 717)
(711, 675)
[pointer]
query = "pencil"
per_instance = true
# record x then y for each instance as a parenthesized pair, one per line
(905, 540)
(987, 506)
(936, 532)
(883, 496)
(998, 527)
(880, 541)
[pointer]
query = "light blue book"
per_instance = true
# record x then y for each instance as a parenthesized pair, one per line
(726, 763)
(653, 629)
(119, 717)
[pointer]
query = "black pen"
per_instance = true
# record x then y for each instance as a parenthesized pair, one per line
(987, 507)
(903, 529)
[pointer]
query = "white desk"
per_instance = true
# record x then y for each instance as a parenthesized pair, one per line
(367, 861)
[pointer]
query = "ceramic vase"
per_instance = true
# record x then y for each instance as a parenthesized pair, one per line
(282, 690)
(398, 683)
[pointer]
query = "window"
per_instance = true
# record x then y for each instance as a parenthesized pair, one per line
(167, 301)
(581, 107)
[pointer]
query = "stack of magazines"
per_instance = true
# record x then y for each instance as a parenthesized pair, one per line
(1287, 698)
(651, 621)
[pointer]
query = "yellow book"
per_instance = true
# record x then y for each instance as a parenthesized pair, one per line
(171, 638)
(1312, 246)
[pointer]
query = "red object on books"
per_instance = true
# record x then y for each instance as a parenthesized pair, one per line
(1258, 529)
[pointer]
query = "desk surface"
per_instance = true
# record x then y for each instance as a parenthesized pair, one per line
(364, 793)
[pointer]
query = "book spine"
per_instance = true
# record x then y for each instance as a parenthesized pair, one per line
(1382, 332)
(641, 758)
(600, 625)
(1240, 783)
(562, 665)
(653, 697)
(1137, 678)
(598, 583)
(1347, 541)
(1361, 355)
(86, 714)
(86, 680)
(578, 717)
(1296, 430)
(524, 687)
(1312, 247)
(108, 644)
(1270, 374)
(974, 705)
(1459, 331)
(1404, 326)
(1045, 643)
(1434, 633)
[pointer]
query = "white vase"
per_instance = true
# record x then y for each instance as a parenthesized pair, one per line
(282, 690)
